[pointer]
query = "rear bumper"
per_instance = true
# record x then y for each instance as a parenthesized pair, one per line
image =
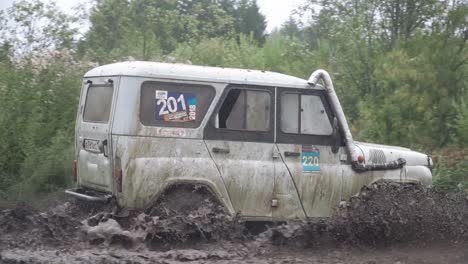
(90, 196)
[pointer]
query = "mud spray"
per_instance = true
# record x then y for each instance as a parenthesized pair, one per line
(386, 223)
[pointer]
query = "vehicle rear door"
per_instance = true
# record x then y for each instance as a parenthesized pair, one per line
(307, 145)
(93, 131)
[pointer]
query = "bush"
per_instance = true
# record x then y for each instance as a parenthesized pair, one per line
(451, 175)
(38, 99)
(49, 167)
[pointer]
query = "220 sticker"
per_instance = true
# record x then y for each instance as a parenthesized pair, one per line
(310, 159)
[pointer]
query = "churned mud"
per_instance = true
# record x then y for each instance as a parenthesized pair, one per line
(386, 223)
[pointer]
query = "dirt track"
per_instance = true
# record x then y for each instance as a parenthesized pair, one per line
(386, 224)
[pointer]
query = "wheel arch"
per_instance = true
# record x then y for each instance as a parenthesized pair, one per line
(194, 183)
(413, 174)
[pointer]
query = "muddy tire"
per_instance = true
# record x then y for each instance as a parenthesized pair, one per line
(184, 200)
(188, 214)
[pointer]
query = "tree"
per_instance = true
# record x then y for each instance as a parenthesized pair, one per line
(25, 27)
(400, 19)
(147, 29)
(38, 96)
(291, 29)
(399, 66)
(249, 20)
(110, 26)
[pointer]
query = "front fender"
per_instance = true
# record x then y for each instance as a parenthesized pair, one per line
(408, 174)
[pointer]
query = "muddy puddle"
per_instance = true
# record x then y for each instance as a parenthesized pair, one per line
(386, 223)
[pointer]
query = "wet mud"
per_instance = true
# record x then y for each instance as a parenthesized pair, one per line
(386, 223)
(387, 214)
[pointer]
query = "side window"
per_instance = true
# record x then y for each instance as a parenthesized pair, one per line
(290, 113)
(174, 104)
(304, 114)
(98, 104)
(244, 109)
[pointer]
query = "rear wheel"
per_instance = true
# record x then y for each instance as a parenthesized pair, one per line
(184, 200)
(189, 214)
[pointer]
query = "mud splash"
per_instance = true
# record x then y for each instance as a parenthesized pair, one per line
(384, 216)
(23, 227)
(163, 231)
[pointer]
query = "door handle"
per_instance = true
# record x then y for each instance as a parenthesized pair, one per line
(104, 148)
(220, 150)
(291, 154)
(276, 154)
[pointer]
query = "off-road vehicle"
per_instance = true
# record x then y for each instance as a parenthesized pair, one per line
(267, 146)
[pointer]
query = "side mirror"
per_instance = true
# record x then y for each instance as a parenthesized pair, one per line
(336, 136)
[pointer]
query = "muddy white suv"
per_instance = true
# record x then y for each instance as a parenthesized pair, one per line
(268, 146)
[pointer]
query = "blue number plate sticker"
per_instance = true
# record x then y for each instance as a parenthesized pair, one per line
(310, 159)
(175, 106)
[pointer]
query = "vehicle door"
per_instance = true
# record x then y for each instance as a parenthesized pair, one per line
(309, 148)
(240, 139)
(93, 142)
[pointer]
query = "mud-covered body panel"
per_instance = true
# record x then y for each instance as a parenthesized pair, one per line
(417, 167)
(95, 165)
(320, 190)
(416, 170)
(254, 177)
(390, 153)
(149, 165)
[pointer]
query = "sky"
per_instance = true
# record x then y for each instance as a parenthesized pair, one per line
(276, 11)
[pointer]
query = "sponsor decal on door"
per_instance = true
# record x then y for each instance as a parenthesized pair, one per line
(310, 158)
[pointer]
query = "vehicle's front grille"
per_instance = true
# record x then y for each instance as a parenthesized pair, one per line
(377, 156)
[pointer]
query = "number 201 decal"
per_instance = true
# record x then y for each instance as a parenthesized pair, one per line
(310, 159)
(170, 105)
(175, 106)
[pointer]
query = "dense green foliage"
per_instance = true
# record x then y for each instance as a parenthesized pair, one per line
(147, 29)
(400, 68)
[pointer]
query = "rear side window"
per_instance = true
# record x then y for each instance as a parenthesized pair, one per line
(174, 104)
(98, 104)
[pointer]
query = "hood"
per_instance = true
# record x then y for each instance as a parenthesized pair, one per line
(378, 154)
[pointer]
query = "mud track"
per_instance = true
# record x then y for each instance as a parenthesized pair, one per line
(386, 223)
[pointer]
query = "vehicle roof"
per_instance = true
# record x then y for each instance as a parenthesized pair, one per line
(197, 73)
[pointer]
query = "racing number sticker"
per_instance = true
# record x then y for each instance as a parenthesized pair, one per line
(310, 159)
(175, 106)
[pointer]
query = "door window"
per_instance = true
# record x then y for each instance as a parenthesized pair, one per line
(290, 113)
(243, 113)
(98, 104)
(245, 110)
(304, 114)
